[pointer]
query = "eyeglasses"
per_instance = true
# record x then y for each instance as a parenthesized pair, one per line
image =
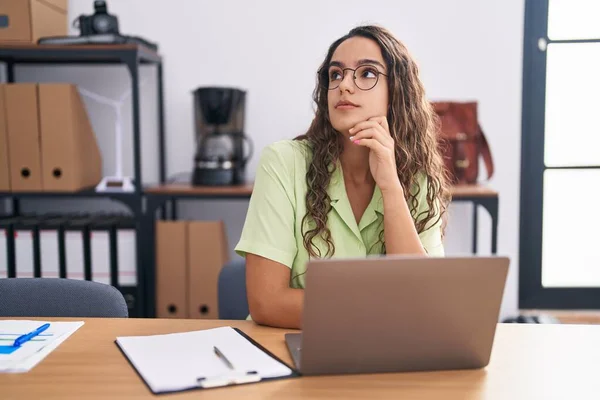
(365, 77)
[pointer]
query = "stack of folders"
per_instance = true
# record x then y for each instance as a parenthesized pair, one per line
(201, 359)
(23, 343)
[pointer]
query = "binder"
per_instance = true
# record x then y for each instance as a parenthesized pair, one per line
(110, 236)
(25, 258)
(208, 252)
(77, 248)
(101, 251)
(4, 162)
(7, 227)
(70, 154)
(52, 246)
(126, 251)
(171, 269)
(3, 253)
(30, 243)
(205, 359)
(7, 237)
(23, 137)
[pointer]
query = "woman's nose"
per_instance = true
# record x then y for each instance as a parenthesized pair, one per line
(347, 83)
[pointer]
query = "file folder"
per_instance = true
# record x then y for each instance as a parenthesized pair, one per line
(171, 269)
(23, 137)
(71, 157)
(208, 252)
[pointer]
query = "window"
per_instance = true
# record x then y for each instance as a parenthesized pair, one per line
(560, 176)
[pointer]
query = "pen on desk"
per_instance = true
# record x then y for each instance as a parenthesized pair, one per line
(28, 336)
(222, 357)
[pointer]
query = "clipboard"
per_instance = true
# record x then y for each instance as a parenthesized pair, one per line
(222, 380)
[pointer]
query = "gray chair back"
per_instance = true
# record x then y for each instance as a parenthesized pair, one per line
(233, 303)
(58, 297)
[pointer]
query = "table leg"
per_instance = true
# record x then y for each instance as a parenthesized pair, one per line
(491, 205)
(174, 209)
(494, 214)
(475, 226)
(149, 234)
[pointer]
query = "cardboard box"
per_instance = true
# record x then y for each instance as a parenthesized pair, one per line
(4, 162)
(23, 137)
(208, 252)
(71, 159)
(29, 20)
(171, 269)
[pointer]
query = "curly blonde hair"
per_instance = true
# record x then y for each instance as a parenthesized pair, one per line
(413, 125)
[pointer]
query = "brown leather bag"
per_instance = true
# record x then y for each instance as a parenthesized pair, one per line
(462, 141)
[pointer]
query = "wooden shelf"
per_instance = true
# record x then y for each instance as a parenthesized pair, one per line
(184, 189)
(471, 191)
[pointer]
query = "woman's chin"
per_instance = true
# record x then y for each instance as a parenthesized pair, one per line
(344, 126)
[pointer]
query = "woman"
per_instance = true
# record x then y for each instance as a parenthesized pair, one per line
(366, 179)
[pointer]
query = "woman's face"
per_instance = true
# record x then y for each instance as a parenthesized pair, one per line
(347, 103)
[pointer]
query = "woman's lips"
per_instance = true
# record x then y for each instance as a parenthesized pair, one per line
(346, 107)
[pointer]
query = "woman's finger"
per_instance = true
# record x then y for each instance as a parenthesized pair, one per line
(364, 125)
(375, 133)
(372, 144)
(383, 122)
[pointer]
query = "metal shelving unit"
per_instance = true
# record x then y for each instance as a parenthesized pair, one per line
(132, 56)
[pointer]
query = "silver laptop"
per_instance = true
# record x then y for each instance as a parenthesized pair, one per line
(398, 314)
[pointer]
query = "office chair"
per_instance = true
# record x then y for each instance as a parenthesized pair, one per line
(233, 303)
(59, 297)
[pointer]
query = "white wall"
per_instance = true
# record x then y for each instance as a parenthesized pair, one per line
(467, 49)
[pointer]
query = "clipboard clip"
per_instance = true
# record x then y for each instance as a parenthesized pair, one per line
(228, 380)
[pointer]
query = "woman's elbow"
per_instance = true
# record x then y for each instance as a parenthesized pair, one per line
(259, 308)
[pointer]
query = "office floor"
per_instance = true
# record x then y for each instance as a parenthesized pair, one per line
(569, 316)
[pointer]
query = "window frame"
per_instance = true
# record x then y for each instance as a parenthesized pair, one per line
(532, 295)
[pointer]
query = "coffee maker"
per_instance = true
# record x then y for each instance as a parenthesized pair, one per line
(222, 148)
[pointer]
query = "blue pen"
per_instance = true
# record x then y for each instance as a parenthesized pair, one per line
(28, 336)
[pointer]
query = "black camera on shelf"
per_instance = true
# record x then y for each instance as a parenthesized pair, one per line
(98, 23)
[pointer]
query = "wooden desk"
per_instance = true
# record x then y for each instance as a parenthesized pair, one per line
(158, 196)
(528, 362)
(479, 195)
(186, 190)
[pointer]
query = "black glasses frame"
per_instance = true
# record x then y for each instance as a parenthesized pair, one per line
(325, 72)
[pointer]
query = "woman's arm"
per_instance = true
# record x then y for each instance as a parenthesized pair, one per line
(400, 234)
(270, 299)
